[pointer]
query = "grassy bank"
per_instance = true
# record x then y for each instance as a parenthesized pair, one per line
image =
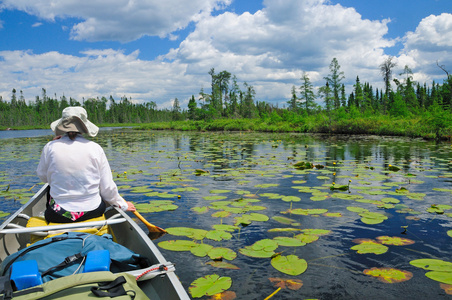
(428, 126)
(417, 127)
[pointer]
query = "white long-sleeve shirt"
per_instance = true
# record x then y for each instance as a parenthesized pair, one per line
(79, 174)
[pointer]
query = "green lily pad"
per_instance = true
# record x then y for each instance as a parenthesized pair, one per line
(372, 218)
(288, 241)
(357, 209)
(220, 253)
(367, 246)
(307, 238)
(443, 277)
(221, 214)
(214, 198)
(166, 195)
(305, 212)
(222, 265)
(266, 185)
(186, 189)
(262, 248)
(271, 195)
(218, 235)
(4, 214)
(390, 200)
(284, 229)
(291, 199)
(283, 220)
(197, 234)
(201, 250)
(200, 210)
(290, 264)
(177, 245)
(432, 264)
(317, 232)
(141, 189)
(156, 206)
(225, 227)
(209, 285)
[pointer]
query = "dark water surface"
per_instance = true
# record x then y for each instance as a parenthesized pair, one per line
(241, 164)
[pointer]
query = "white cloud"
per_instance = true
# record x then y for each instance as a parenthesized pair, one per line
(120, 20)
(97, 73)
(269, 49)
(272, 47)
(430, 43)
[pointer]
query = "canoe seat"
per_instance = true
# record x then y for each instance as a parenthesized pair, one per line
(40, 221)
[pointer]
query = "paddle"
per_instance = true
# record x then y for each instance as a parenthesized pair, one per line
(151, 227)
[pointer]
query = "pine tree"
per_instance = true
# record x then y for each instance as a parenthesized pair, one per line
(192, 108)
(334, 81)
(307, 92)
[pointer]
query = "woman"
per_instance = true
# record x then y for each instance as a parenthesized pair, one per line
(77, 171)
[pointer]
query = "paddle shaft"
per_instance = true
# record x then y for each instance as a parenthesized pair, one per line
(151, 227)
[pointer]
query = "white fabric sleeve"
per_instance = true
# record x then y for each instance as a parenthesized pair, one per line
(108, 188)
(42, 166)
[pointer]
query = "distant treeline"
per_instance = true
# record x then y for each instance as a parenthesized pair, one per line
(417, 104)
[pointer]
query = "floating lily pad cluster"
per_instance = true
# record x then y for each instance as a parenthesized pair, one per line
(269, 189)
(366, 246)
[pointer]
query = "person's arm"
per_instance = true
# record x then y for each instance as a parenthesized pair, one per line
(108, 188)
(43, 166)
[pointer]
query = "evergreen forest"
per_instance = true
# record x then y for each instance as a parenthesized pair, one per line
(403, 107)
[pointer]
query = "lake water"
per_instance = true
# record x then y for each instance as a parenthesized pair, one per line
(253, 174)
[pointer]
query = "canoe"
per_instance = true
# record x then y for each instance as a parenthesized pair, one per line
(159, 284)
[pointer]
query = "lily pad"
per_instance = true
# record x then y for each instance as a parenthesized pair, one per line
(177, 245)
(214, 198)
(222, 265)
(267, 185)
(156, 206)
(288, 241)
(443, 277)
(200, 210)
(432, 264)
(197, 234)
(307, 238)
(370, 246)
(225, 227)
(396, 241)
(221, 214)
(389, 275)
(262, 248)
(201, 250)
(290, 264)
(291, 199)
(209, 285)
(218, 235)
(291, 284)
(220, 253)
(283, 220)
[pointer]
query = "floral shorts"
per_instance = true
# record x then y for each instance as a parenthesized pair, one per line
(62, 212)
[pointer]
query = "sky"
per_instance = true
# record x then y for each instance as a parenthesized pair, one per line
(153, 50)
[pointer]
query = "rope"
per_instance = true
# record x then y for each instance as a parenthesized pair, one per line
(160, 268)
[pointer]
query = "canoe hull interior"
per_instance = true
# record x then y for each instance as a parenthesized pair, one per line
(128, 234)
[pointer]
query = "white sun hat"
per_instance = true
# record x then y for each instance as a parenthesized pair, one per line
(75, 119)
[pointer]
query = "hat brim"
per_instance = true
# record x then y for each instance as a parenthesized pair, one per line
(60, 128)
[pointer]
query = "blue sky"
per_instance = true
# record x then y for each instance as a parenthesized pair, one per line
(154, 51)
